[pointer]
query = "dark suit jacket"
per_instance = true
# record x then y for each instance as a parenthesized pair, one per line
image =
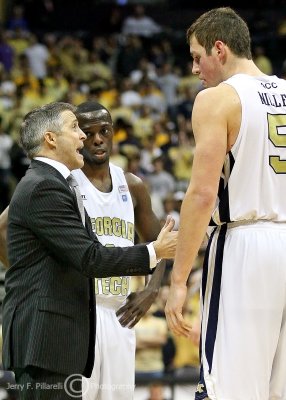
(48, 310)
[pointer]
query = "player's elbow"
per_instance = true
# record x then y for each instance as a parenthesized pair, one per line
(204, 197)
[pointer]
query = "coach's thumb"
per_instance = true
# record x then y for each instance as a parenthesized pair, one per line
(169, 223)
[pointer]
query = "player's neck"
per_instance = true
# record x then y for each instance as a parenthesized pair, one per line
(99, 176)
(243, 66)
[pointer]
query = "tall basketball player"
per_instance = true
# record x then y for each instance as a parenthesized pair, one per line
(239, 184)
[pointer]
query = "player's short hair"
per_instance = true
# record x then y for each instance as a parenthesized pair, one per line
(88, 106)
(224, 24)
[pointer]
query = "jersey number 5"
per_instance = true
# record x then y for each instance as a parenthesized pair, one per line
(277, 123)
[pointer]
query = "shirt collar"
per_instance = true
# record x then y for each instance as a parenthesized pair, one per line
(56, 164)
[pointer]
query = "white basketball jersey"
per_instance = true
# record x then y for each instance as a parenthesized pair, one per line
(112, 219)
(253, 180)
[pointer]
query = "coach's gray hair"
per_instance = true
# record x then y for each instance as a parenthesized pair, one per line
(39, 121)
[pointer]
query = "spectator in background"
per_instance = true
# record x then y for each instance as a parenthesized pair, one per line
(178, 198)
(129, 96)
(145, 70)
(91, 68)
(143, 125)
(188, 79)
(186, 102)
(161, 182)
(181, 156)
(148, 153)
(17, 19)
(124, 135)
(7, 94)
(129, 55)
(123, 117)
(151, 335)
(153, 97)
(6, 52)
(18, 40)
(23, 76)
(157, 55)
(169, 204)
(38, 55)
(262, 61)
(133, 166)
(140, 24)
(168, 81)
(117, 158)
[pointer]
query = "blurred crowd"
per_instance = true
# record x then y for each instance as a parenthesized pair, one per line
(134, 74)
(136, 70)
(138, 73)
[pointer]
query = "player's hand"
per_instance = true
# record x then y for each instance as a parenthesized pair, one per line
(174, 311)
(138, 303)
(165, 244)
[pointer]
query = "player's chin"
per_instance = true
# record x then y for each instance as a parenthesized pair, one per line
(100, 159)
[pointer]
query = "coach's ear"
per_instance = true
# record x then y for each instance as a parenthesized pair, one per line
(50, 140)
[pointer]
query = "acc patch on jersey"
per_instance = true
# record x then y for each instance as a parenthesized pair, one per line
(123, 189)
(124, 197)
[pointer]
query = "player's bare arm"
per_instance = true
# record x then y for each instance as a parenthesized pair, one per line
(147, 227)
(210, 125)
(3, 238)
(146, 223)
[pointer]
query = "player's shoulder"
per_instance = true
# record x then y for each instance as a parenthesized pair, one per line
(216, 100)
(115, 169)
(132, 180)
(210, 96)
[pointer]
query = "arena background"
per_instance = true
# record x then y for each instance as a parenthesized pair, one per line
(86, 17)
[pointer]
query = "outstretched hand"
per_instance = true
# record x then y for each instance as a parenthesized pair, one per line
(137, 304)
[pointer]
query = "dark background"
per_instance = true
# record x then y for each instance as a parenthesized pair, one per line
(93, 14)
(87, 18)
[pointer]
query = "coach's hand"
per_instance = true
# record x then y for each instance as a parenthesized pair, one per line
(138, 303)
(165, 244)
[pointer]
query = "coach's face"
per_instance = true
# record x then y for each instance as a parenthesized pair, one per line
(69, 142)
(97, 126)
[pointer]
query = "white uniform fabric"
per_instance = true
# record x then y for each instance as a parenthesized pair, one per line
(112, 218)
(243, 338)
(250, 187)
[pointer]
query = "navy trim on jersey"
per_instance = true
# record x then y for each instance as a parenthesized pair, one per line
(223, 194)
(215, 296)
(206, 266)
(201, 392)
(223, 206)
